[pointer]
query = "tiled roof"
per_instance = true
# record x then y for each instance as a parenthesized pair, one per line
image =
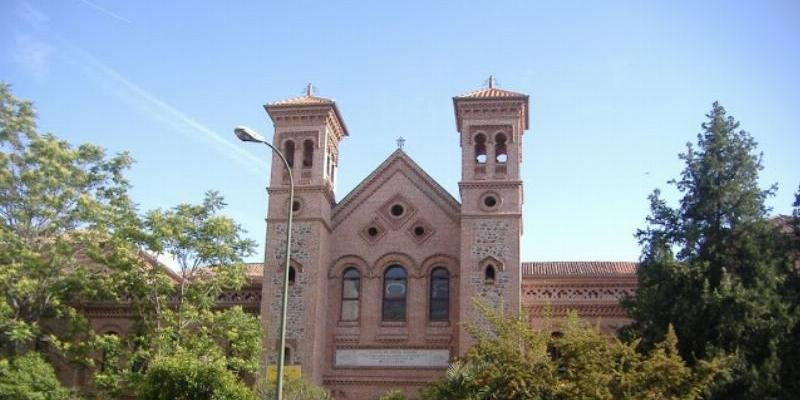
(255, 270)
(579, 268)
(491, 93)
(307, 100)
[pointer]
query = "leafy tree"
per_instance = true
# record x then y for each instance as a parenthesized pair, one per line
(789, 351)
(184, 376)
(30, 377)
(175, 310)
(293, 389)
(512, 361)
(393, 395)
(62, 208)
(714, 266)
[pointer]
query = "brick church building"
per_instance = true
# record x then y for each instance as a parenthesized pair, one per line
(382, 279)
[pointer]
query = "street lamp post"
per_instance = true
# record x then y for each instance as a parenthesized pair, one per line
(246, 134)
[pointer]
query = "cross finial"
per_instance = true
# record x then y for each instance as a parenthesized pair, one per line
(400, 142)
(309, 90)
(491, 81)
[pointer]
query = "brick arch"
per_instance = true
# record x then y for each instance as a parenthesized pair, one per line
(340, 264)
(498, 265)
(388, 259)
(111, 327)
(438, 260)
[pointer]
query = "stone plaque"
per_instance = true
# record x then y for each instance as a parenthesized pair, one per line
(437, 358)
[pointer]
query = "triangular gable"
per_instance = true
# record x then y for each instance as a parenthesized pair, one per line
(398, 161)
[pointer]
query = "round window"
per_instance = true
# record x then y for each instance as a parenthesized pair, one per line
(490, 201)
(397, 210)
(419, 230)
(372, 231)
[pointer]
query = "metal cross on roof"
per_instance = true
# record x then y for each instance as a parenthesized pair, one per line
(400, 142)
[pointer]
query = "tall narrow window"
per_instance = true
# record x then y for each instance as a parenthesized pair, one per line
(489, 274)
(288, 152)
(292, 275)
(500, 152)
(480, 148)
(287, 355)
(308, 153)
(351, 290)
(394, 294)
(439, 301)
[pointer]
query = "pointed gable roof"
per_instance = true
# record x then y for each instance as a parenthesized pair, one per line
(381, 174)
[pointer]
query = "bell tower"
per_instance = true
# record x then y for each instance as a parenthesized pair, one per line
(308, 130)
(491, 122)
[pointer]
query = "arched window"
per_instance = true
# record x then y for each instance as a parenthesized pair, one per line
(500, 152)
(308, 153)
(288, 152)
(105, 357)
(439, 302)
(351, 290)
(394, 294)
(287, 355)
(292, 275)
(489, 274)
(480, 148)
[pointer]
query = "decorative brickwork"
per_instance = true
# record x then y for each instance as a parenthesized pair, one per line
(490, 239)
(302, 241)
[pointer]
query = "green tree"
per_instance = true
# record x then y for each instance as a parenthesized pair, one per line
(293, 389)
(393, 395)
(61, 209)
(185, 377)
(714, 266)
(30, 377)
(512, 361)
(790, 351)
(175, 307)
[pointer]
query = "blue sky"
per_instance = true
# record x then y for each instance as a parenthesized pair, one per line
(617, 89)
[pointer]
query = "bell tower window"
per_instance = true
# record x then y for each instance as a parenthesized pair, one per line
(308, 153)
(480, 148)
(500, 152)
(288, 152)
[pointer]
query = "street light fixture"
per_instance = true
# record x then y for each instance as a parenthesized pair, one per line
(246, 134)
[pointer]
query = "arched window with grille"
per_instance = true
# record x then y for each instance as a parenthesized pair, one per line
(351, 293)
(394, 294)
(439, 298)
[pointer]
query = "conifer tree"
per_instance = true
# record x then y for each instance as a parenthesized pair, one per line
(714, 267)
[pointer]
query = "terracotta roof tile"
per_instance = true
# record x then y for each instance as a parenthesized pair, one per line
(255, 270)
(491, 93)
(579, 268)
(307, 100)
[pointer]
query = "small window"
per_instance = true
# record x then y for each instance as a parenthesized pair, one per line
(287, 355)
(292, 275)
(500, 152)
(288, 152)
(397, 210)
(351, 290)
(489, 274)
(394, 294)
(480, 148)
(296, 206)
(439, 302)
(308, 153)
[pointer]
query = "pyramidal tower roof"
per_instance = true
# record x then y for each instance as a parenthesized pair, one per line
(491, 92)
(306, 101)
(490, 99)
